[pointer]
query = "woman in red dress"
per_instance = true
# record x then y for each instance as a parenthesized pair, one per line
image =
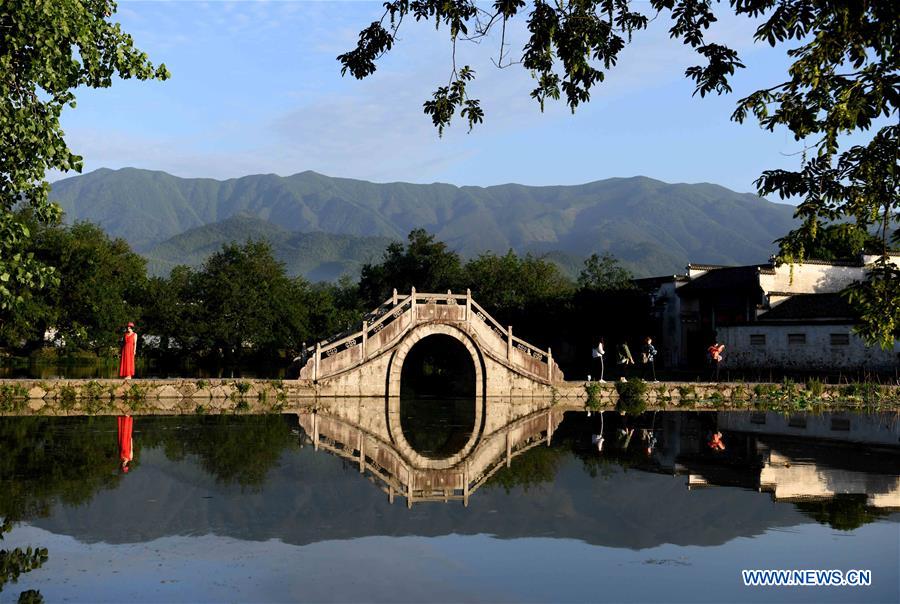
(129, 348)
(125, 425)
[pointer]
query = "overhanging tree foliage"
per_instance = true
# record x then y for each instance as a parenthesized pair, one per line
(48, 48)
(844, 77)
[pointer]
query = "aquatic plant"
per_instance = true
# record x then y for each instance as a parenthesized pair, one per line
(815, 387)
(631, 396)
(12, 397)
(135, 397)
(67, 397)
(592, 389)
(687, 396)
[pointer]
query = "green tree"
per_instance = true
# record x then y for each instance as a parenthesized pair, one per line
(841, 241)
(48, 48)
(604, 274)
(242, 301)
(100, 280)
(423, 263)
(169, 311)
(97, 289)
(333, 308)
(17, 561)
(511, 284)
(845, 75)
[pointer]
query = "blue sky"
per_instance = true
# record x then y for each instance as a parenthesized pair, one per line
(255, 88)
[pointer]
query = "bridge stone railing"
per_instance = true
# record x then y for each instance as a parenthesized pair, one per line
(386, 326)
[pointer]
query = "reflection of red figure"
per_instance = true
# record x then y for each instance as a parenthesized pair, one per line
(129, 347)
(126, 443)
(716, 443)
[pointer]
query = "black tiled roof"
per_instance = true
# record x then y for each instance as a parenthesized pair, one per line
(810, 306)
(733, 278)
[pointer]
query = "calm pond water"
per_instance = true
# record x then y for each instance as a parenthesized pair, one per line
(443, 506)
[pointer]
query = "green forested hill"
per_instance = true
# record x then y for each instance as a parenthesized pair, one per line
(654, 227)
(316, 256)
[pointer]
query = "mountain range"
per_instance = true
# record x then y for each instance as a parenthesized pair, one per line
(322, 226)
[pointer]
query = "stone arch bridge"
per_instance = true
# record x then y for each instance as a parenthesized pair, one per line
(369, 362)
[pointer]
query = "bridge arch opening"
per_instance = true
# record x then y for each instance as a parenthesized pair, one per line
(437, 396)
(438, 365)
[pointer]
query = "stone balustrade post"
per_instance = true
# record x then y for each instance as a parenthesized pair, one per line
(365, 337)
(509, 343)
(316, 361)
(412, 308)
(468, 304)
(394, 297)
(550, 364)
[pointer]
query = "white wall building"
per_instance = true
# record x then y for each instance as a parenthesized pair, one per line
(787, 317)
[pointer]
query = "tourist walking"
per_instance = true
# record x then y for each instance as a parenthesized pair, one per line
(125, 425)
(648, 360)
(129, 349)
(715, 356)
(597, 361)
(624, 360)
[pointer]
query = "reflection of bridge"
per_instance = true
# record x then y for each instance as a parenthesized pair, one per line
(385, 456)
(369, 362)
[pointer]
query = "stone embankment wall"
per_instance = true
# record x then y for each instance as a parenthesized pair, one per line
(179, 396)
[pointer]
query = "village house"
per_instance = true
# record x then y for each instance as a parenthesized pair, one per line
(787, 317)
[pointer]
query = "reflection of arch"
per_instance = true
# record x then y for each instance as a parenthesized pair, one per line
(406, 450)
(395, 475)
(395, 369)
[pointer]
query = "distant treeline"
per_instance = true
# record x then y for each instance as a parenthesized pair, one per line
(242, 307)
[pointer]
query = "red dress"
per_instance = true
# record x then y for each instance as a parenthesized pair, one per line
(126, 447)
(126, 364)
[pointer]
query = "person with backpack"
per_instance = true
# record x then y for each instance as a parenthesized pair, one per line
(597, 360)
(648, 359)
(715, 354)
(624, 359)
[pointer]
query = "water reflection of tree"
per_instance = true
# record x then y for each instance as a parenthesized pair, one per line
(844, 512)
(44, 461)
(530, 469)
(47, 460)
(234, 449)
(68, 460)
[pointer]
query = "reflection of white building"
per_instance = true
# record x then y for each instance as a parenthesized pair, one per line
(788, 316)
(797, 457)
(868, 429)
(789, 478)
